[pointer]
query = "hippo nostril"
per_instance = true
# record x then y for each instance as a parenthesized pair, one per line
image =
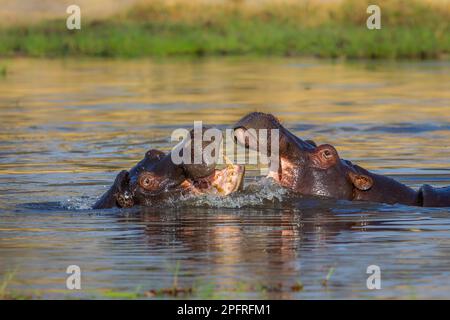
(327, 154)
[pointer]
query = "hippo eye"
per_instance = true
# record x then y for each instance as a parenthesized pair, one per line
(327, 154)
(148, 182)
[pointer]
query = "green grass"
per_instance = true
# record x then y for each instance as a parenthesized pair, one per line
(422, 31)
(3, 71)
(123, 295)
(131, 40)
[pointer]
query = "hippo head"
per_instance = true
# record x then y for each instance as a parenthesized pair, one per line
(157, 177)
(302, 166)
(164, 179)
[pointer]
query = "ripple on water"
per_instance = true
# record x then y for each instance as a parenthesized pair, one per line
(66, 134)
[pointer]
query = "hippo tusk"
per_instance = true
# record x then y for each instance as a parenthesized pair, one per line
(228, 162)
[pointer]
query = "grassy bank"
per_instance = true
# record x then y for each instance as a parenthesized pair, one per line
(410, 29)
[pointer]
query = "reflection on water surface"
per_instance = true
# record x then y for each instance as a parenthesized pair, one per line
(69, 126)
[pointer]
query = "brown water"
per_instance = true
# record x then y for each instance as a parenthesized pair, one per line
(67, 127)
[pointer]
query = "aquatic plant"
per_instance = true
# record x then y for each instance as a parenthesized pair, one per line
(328, 277)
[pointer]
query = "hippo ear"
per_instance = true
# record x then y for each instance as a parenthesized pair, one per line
(360, 181)
(154, 155)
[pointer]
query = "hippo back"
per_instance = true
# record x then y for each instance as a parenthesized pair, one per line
(434, 197)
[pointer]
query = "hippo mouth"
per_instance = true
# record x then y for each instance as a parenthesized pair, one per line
(249, 140)
(222, 182)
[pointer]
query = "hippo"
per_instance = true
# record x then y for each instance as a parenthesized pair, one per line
(309, 169)
(157, 178)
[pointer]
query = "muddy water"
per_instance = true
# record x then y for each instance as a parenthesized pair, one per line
(67, 127)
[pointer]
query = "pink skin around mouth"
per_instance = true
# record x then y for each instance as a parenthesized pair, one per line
(221, 182)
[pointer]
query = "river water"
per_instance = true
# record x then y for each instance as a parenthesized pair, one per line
(68, 127)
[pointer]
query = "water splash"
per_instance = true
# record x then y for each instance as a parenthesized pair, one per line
(261, 192)
(79, 203)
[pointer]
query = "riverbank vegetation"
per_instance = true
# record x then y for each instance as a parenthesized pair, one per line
(410, 29)
(3, 71)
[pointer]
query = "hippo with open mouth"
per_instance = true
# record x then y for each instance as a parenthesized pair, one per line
(308, 169)
(157, 178)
